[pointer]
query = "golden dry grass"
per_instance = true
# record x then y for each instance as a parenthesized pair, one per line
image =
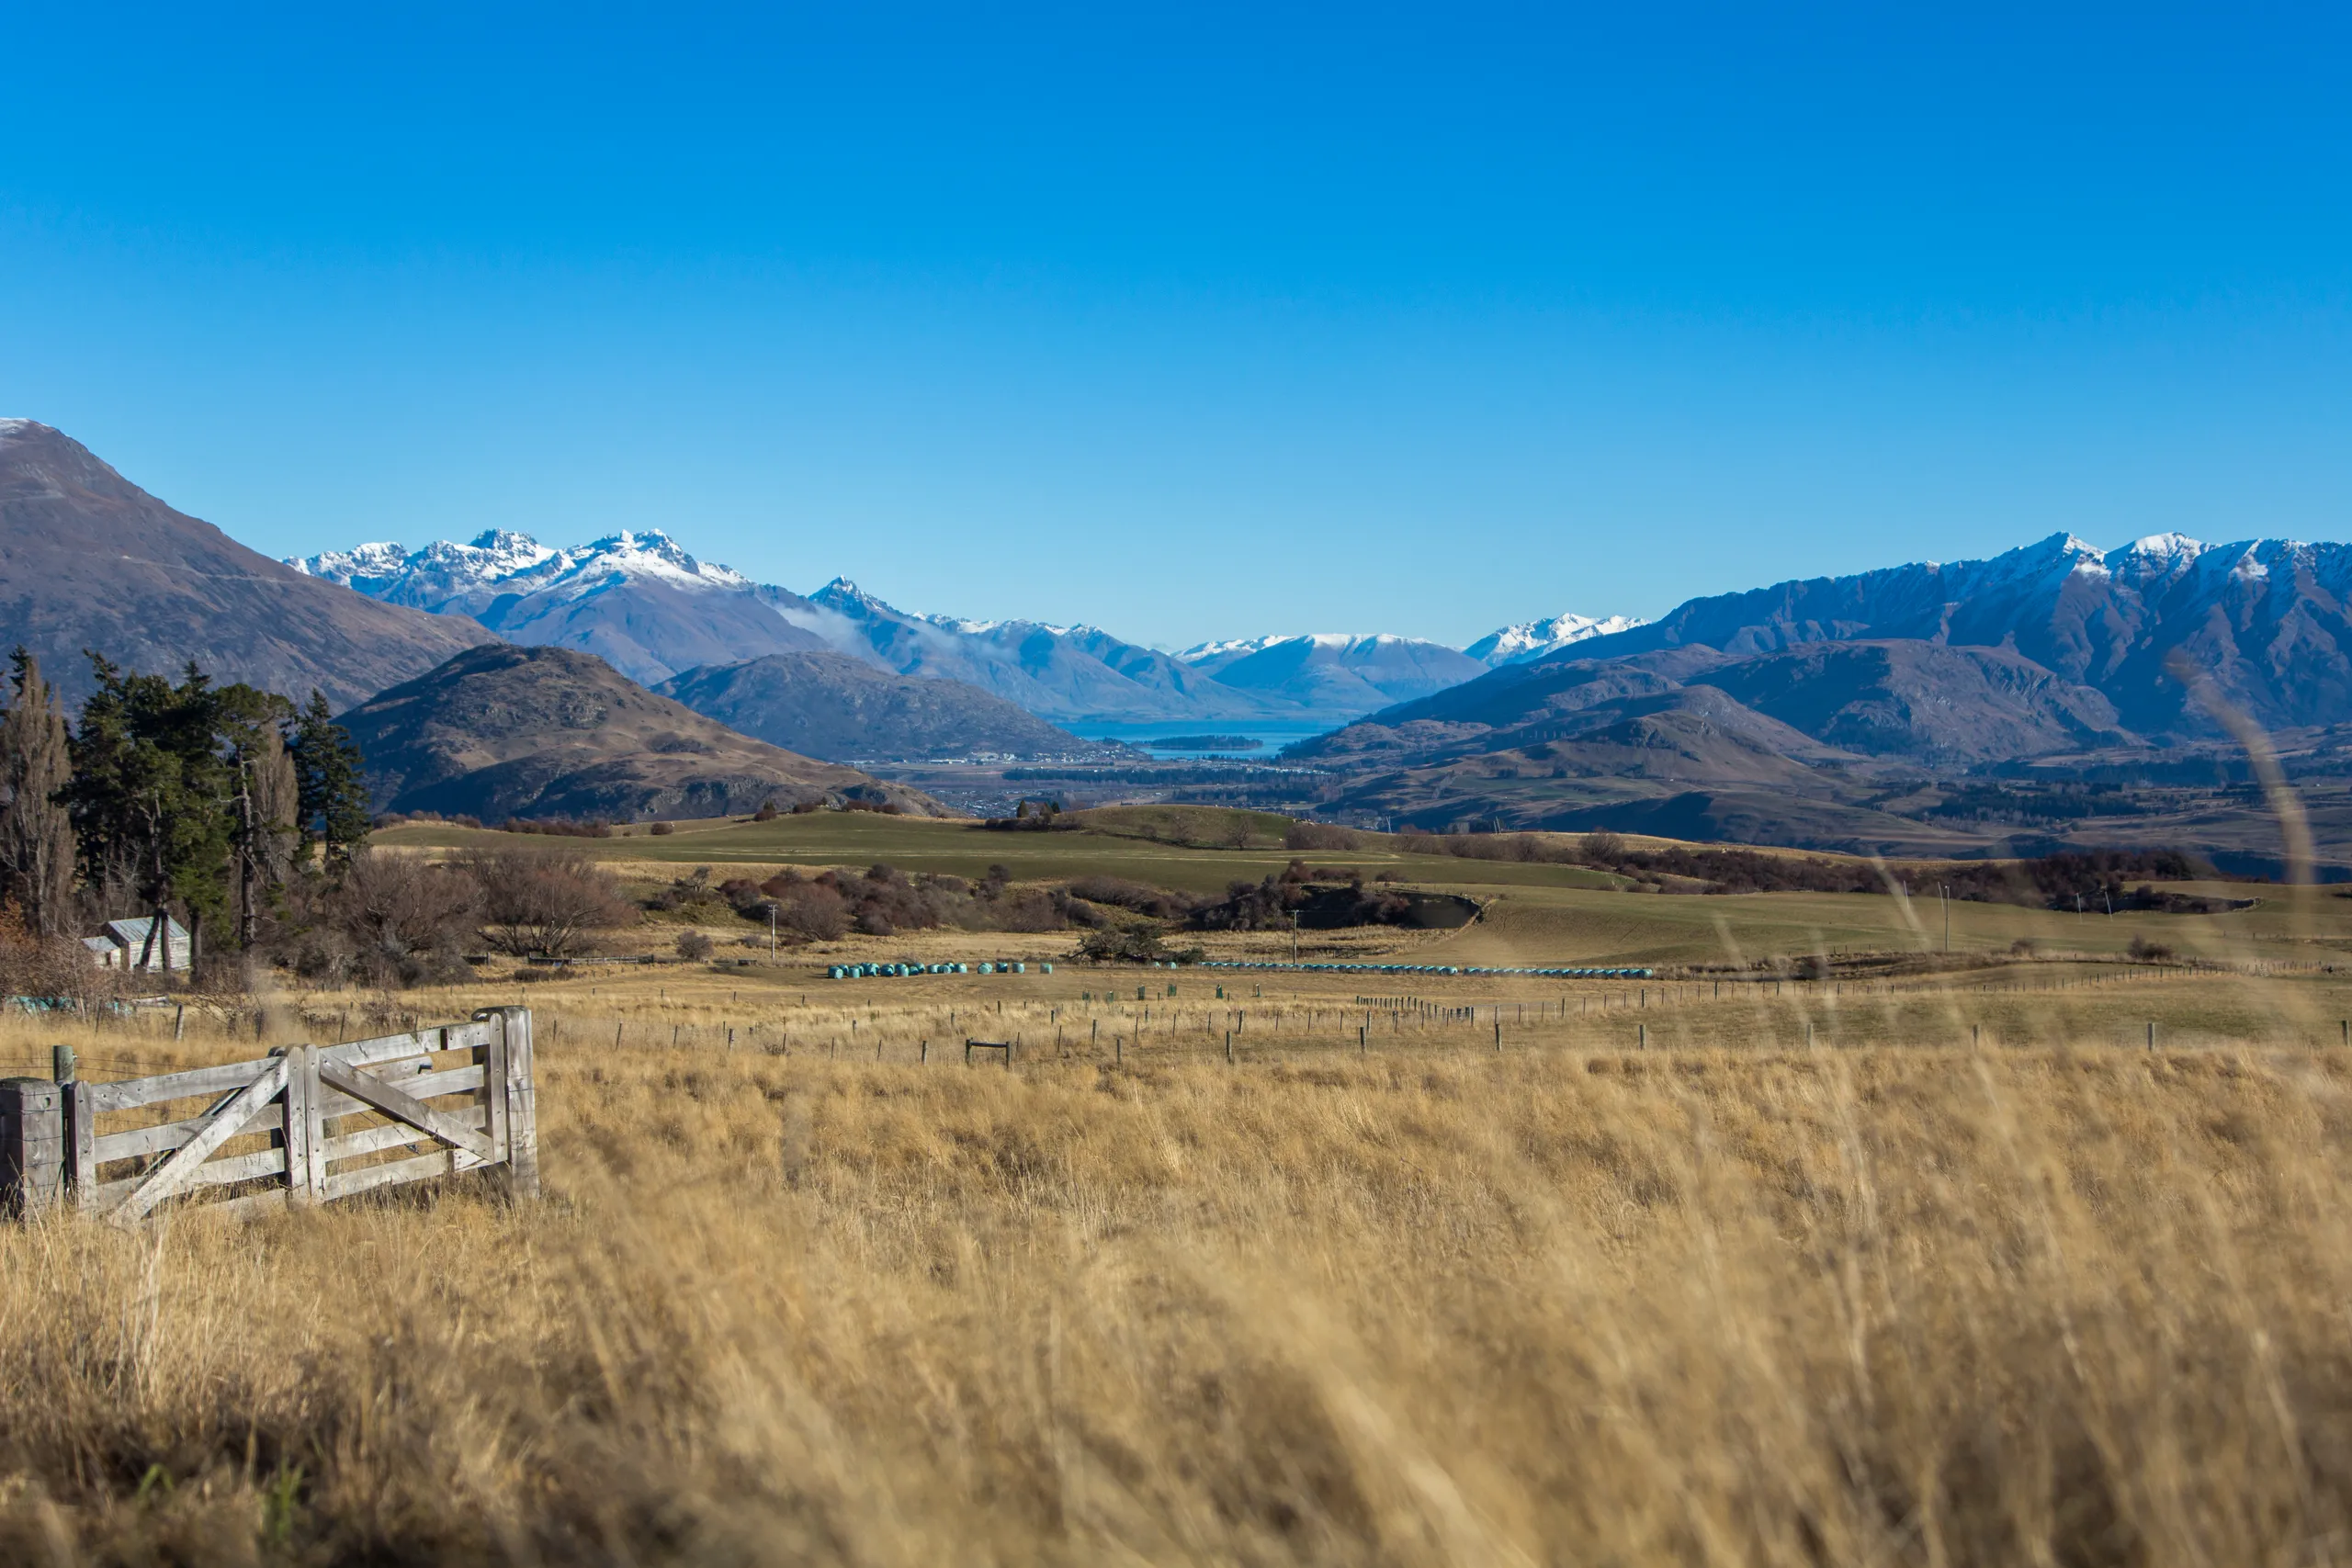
(1892, 1300)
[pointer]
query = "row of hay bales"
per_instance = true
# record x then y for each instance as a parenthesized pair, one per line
(893, 971)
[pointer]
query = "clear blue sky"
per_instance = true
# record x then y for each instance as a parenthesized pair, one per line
(1194, 321)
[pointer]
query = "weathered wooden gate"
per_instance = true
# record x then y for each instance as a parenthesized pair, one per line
(306, 1124)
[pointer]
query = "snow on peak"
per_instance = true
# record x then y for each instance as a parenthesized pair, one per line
(1228, 649)
(2165, 546)
(1530, 640)
(841, 594)
(444, 574)
(381, 560)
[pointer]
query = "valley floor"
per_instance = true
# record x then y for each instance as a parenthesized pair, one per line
(1925, 1261)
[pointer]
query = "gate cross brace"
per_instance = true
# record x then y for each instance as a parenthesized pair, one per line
(234, 1113)
(378, 1094)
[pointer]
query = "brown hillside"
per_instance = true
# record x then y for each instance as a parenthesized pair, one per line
(502, 731)
(89, 560)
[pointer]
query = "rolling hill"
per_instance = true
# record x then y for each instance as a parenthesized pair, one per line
(547, 732)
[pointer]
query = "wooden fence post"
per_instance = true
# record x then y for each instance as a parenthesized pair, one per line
(81, 1143)
(302, 1132)
(32, 1142)
(522, 1100)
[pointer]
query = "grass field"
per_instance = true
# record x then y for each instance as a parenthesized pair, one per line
(965, 849)
(1538, 912)
(1915, 1264)
(1734, 1301)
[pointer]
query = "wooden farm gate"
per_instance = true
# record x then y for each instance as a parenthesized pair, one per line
(306, 1124)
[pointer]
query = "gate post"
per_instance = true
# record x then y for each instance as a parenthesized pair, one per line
(81, 1144)
(305, 1135)
(522, 1100)
(32, 1144)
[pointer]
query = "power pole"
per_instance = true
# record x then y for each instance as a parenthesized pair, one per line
(771, 931)
(1945, 893)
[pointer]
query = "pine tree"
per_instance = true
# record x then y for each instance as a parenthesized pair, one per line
(36, 835)
(332, 789)
(151, 800)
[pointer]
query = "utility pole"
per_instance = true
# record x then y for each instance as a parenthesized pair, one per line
(1945, 893)
(771, 930)
(1293, 936)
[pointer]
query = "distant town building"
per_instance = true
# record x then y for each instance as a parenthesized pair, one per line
(122, 944)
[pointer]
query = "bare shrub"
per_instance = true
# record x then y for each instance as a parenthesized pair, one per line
(1139, 897)
(402, 919)
(814, 910)
(49, 966)
(547, 903)
(694, 947)
(1321, 836)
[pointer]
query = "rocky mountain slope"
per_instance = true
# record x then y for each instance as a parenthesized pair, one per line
(829, 704)
(90, 560)
(502, 731)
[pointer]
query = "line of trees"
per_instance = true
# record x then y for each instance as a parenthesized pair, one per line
(187, 799)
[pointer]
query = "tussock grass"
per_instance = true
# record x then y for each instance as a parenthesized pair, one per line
(1734, 1301)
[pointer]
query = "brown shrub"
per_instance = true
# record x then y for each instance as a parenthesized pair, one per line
(546, 903)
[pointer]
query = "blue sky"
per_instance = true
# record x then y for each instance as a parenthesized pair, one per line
(1197, 322)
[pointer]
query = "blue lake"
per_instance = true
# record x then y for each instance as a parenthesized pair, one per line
(1270, 738)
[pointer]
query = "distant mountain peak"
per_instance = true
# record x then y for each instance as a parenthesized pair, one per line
(1531, 640)
(443, 576)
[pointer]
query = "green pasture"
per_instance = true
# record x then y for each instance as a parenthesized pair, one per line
(1116, 848)
(1534, 913)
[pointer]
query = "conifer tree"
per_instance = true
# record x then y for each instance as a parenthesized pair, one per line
(36, 835)
(151, 798)
(332, 791)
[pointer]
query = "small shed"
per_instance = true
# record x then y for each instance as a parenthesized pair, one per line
(122, 944)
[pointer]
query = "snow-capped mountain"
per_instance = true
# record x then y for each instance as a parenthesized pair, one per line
(652, 610)
(465, 578)
(2266, 625)
(1534, 639)
(634, 599)
(1334, 672)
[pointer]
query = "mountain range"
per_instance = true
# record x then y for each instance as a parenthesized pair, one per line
(449, 717)
(1863, 711)
(1806, 711)
(639, 601)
